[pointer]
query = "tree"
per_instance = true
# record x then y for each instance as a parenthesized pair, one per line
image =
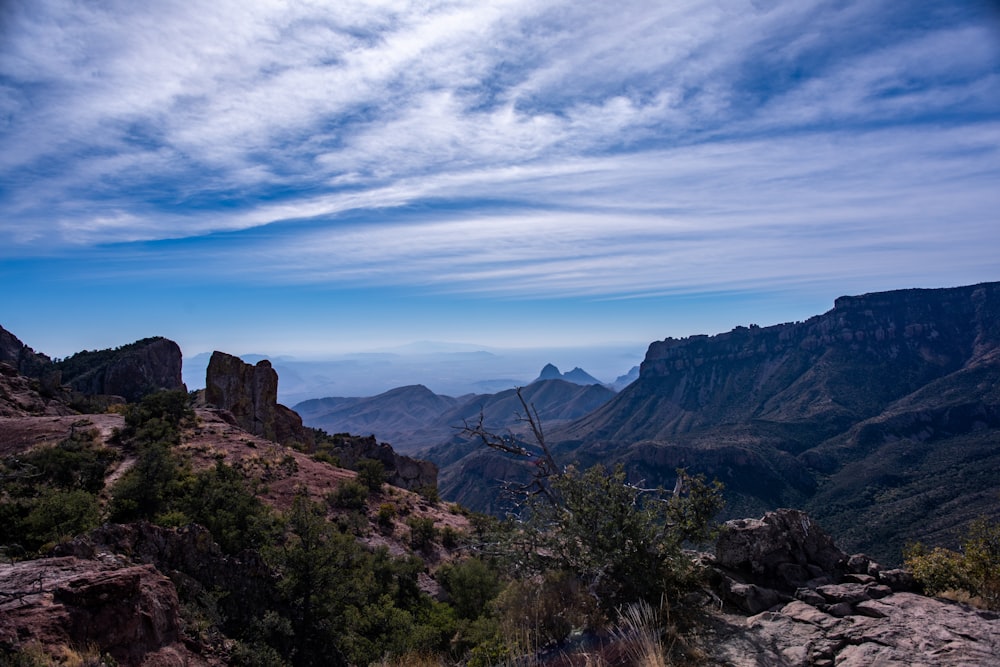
(622, 541)
(371, 473)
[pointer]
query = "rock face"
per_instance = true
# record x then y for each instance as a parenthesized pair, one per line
(250, 393)
(860, 415)
(129, 612)
(784, 550)
(402, 471)
(812, 605)
(20, 356)
(131, 371)
(20, 396)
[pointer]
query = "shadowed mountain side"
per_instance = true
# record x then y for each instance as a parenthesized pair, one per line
(413, 418)
(880, 416)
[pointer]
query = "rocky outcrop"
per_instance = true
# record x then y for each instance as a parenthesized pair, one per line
(809, 604)
(20, 396)
(130, 612)
(402, 471)
(188, 556)
(250, 393)
(131, 371)
(20, 356)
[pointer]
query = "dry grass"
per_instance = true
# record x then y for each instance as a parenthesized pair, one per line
(640, 633)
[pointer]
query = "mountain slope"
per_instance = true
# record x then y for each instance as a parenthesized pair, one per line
(880, 416)
(414, 418)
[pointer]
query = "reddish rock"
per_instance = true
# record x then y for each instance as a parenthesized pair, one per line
(250, 393)
(128, 612)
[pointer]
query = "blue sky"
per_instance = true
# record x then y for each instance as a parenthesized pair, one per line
(318, 178)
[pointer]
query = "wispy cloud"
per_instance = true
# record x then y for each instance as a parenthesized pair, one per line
(579, 147)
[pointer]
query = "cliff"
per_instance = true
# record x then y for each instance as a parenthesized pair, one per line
(250, 393)
(131, 371)
(880, 417)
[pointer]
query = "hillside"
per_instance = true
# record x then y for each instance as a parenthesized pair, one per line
(414, 418)
(885, 409)
(112, 500)
(157, 533)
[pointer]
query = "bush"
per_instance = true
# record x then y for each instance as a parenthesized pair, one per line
(622, 542)
(371, 473)
(386, 514)
(422, 532)
(471, 584)
(976, 570)
(349, 495)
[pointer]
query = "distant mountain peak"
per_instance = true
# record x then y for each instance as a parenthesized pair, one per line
(576, 376)
(549, 372)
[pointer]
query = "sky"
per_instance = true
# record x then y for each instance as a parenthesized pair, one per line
(325, 178)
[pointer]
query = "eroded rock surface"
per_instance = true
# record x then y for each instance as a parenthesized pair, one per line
(130, 612)
(132, 371)
(250, 393)
(809, 604)
(402, 471)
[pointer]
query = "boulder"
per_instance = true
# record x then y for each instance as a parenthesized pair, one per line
(784, 550)
(130, 612)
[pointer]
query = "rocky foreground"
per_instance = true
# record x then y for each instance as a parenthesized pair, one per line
(809, 604)
(787, 597)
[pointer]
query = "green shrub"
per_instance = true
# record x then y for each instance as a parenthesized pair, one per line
(422, 532)
(371, 473)
(349, 494)
(471, 584)
(976, 570)
(57, 514)
(386, 514)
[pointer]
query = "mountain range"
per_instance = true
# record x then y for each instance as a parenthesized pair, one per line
(414, 417)
(881, 417)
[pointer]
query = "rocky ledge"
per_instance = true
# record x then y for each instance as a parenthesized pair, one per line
(810, 604)
(130, 612)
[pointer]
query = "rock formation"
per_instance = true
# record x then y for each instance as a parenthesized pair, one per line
(20, 356)
(402, 471)
(810, 604)
(250, 393)
(877, 416)
(128, 611)
(20, 396)
(131, 371)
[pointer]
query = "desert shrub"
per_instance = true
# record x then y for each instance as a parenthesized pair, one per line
(349, 494)
(221, 500)
(545, 609)
(429, 492)
(171, 408)
(75, 463)
(371, 473)
(422, 532)
(386, 514)
(975, 570)
(57, 514)
(622, 542)
(450, 538)
(471, 584)
(153, 485)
